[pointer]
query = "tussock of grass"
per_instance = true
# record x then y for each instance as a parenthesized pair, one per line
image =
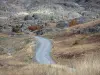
(88, 66)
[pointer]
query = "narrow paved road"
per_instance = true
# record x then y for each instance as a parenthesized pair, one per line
(43, 49)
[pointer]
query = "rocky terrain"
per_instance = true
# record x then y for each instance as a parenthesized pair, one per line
(73, 26)
(13, 13)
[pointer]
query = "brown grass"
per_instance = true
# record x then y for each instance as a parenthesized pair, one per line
(23, 49)
(85, 25)
(65, 49)
(88, 66)
(78, 53)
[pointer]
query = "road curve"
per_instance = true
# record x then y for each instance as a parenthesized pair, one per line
(43, 49)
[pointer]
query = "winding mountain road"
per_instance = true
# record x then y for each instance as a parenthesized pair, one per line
(43, 49)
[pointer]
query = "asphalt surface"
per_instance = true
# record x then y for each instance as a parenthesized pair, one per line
(43, 49)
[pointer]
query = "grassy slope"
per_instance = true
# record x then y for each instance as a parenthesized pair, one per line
(70, 48)
(20, 63)
(88, 67)
(75, 47)
(80, 52)
(21, 49)
(15, 65)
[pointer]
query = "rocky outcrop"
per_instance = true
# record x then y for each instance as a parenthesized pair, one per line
(18, 12)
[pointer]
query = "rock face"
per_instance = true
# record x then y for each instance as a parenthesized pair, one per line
(18, 12)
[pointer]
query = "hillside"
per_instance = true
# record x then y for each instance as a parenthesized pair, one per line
(76, 54)
(71, 29)
(13, 12)
(77, 43)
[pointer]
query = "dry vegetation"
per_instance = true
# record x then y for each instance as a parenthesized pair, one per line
(87, 24)
(89, 66)
(76, 54)
(16, 49)
(78, 51)
(74, 48)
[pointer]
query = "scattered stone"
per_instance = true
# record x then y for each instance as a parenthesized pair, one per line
(62, 24)
(28, 17)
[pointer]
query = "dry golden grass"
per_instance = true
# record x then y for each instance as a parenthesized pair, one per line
(88, 66)
(66, 49)
(19, 65)
(3, 35)
(34, 69)
(81, 52)
(79, 55)
(23, 49)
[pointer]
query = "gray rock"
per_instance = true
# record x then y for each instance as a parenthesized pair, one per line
(62, 24)
(28, 17)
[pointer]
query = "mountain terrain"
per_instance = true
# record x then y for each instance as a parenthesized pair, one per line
(72, 28)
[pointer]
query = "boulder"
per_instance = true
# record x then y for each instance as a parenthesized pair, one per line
(35, 16)
(62, 24)
(28, 17)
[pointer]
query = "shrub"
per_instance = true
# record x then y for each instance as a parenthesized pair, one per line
(73, 22)
(16, 29)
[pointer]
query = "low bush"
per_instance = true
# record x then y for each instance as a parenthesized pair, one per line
(16, 29)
